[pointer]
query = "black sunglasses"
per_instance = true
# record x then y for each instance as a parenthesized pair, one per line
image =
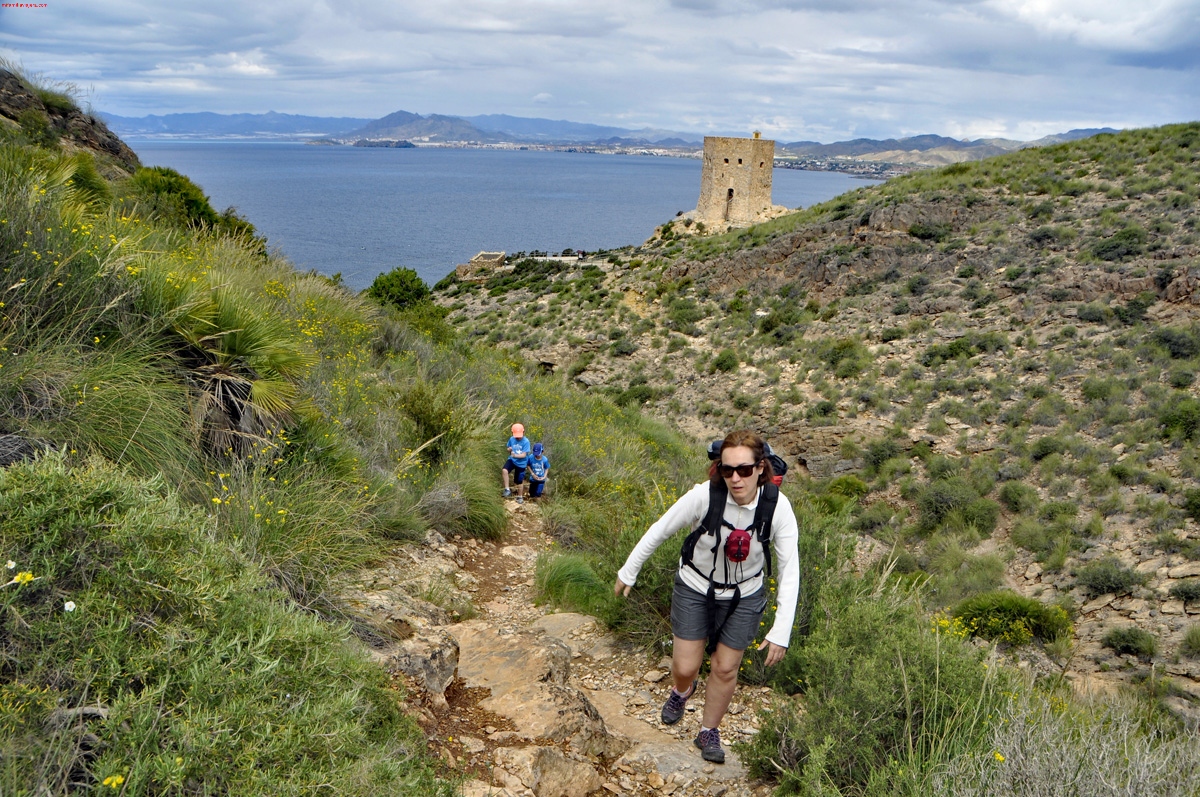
(745, 471)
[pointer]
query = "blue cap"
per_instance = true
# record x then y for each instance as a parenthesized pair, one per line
(537, 449)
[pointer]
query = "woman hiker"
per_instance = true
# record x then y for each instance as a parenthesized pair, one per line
(720, 592)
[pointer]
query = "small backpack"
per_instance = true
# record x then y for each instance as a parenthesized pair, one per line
(713, 521)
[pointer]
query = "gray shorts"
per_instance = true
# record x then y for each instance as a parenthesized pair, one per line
(689, 616)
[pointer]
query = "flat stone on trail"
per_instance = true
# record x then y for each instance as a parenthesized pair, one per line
(527, 676)
(579, 632)
(548, 772)
(654, 676)
(563, 625)
(655, 747)
(522, 552)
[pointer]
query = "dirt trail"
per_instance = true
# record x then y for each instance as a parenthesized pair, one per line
(550, 705)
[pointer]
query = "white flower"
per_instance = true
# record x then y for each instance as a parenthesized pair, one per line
(69, 606)
(10, 564)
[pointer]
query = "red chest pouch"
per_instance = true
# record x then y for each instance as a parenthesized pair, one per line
(737, 545)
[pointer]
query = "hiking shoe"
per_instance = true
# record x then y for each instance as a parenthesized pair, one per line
(672, 710)
(520, 500)
(709, 743)
(507, 492)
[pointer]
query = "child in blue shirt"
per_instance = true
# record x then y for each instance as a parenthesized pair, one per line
(518, 456)
(539, 467)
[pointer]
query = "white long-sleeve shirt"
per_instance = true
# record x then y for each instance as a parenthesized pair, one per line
(689, 512)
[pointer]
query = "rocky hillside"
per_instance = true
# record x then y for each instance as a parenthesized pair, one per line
(49, 115)
(997, 359)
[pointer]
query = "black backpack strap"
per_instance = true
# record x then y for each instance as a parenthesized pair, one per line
(763, 514)
(717, 492)
(714, 630)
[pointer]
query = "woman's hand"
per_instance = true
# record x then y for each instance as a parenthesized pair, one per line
(621, 590)
(774, 655)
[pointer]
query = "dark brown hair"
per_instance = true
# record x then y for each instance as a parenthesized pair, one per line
(757, 446)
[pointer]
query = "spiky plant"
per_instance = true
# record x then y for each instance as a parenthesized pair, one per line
(245, 364)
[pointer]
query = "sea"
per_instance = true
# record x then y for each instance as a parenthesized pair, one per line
(360, 212)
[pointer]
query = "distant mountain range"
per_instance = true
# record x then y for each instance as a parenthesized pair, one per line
(240, 125)
(915, 151)
(925, 150)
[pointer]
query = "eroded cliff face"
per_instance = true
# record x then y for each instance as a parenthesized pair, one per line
(21, 106)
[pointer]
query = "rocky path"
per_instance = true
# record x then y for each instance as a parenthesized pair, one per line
(529, 702)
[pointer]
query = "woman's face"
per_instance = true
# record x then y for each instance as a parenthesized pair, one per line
(742, 488)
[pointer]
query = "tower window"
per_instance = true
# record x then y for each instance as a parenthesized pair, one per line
(739, 161)
(727, 160)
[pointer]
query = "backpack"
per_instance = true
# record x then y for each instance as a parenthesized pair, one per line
(737, 545)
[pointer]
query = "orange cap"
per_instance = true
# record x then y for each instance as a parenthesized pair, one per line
(518, 431)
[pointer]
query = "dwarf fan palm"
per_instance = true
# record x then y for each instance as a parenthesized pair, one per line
(242, 358)
(245, 364)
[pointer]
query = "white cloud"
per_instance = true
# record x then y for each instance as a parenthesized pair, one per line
(1110, 24)
(799, 69)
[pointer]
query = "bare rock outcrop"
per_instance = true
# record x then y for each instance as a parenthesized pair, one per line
(80, 129)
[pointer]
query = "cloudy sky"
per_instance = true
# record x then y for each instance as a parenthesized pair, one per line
(820, 70)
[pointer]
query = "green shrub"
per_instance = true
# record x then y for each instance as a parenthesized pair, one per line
(1005, 616)
(1180, 378)
(1180, 416)
(982, 515)
(1131, 640)
(849, 486)
(570, 581)
(1045, 446)
(1097, 389)
(1190, 646)
(1135, 309)
(941, 497)
(1093, 313)
(623, 347)
(1122, 245)
(1106, 575)
(874, 516)
(879, 452)
(682, 315)
(846, 357)
(726, 361)
(823, 409)
(173, 197)
(1191, 504)
(429, 319)
(933, 231)
(960, 574)
(400, 288)
(1053, 511)
(1018, 496)
(1181, 344)
(966, 346)
(926, 694)
(1187, 590)
(1031, 535)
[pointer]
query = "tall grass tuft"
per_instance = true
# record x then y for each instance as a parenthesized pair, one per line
(1042, 745)
(117, 403)
(143, 648)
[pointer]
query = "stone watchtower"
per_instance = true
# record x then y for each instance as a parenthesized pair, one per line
(735, 182)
